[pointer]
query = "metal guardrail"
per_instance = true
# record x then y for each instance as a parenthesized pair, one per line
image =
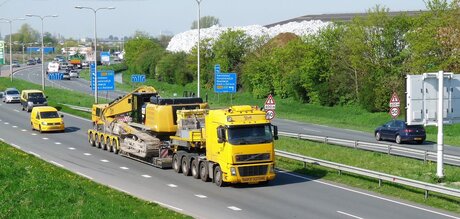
(372, 174)
(378, 147)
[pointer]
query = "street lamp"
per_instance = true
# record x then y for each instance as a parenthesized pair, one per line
(198, 49)
(11, 51)
(43, 61)
(95, 44)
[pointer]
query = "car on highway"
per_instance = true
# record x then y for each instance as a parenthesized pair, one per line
(85, 64)
(46, 118)
(74, 74)
(31, 62)
(399, 131)
(32, 98)
(11, 95)
(63, 65)
(66, 75)
(15, 64)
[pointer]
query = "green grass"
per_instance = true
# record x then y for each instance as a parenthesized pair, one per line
(394, 165)
(32, 188)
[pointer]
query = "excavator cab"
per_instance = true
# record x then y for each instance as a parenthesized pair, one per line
(139, 103)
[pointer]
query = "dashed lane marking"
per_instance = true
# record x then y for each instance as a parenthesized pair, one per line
(34, 134)
(81, 174)
(16, 110)
(124, 168)
(105, 161)
(57, 164)
(349, 215)
(172, 185)
(14, 126)
(57, 142)
(146, 176)
(23, 130)
(35, 154)
(234, 208)
(87, 154)
(72, 149)
(200, 196)
(6, 123)
(45, 138)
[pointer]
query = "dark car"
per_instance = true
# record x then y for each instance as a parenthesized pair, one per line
(399, 131)
(31, 62)
(15, 64)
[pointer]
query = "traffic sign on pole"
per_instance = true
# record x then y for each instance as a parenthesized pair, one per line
(394, 101)
(270, 114)
(270, 103)
(394, 112)
(138, 78)
(217, 69)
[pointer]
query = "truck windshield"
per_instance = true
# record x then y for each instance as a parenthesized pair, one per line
(49, 115)
(35, 95)
(253, 134)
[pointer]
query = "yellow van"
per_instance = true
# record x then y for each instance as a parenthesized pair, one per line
(32, 98)
(46, 118)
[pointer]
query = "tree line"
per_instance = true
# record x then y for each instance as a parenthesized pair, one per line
(361, 62)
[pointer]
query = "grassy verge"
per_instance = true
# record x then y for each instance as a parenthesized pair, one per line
(399, 166)
(32, 188)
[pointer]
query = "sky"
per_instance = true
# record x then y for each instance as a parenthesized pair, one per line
(172, 16)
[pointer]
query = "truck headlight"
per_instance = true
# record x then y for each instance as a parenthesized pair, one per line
(233, 171)
(30, 103)
(44, 123)
(272, 168)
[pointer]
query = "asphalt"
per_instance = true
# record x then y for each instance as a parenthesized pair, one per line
(288, 196)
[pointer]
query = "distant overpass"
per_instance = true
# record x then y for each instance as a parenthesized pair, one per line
(346, 17)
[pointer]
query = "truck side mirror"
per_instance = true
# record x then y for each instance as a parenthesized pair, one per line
(275, 132)
(62, 116)
(220, 134)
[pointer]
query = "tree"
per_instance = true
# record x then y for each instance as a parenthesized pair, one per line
(142, 55)
(205, 22)
(172, 68)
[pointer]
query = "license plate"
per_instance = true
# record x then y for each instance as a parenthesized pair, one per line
(253, 179)
(417, 138)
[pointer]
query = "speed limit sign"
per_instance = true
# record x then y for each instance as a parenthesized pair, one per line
(394, 112)
(270, 114)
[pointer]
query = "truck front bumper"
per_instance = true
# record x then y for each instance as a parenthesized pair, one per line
(252, 173)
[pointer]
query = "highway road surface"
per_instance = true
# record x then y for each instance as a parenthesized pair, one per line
(288, 196)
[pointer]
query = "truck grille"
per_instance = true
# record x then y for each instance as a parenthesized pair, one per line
(253, 170)
(252, 157)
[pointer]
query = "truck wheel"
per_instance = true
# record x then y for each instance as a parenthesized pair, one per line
(185, 166)
(218, 177)
(194, 169)
(98, 141)
(204, 172)
(91, 140)
(108, 145)
(176, 164)
(115, 147)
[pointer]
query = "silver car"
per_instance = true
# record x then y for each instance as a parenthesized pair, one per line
(11, 95)
(74, 74)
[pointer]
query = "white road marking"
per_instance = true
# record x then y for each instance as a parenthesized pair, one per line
(168, 206)
(234, 208)
(366, 194)
(57, 164)
(57, 142)
(16, 146)
(23, 130)
(16, 110)
(146, 176)
(200, 196)
(81, 174)
(1, 139)
(0, 119)
(172, 185)
(34, 134)
(124, 168)
(350, 215)
(14, 126)
(35, 154)
(87, 154)
(71, 148)
(122, 190)
(6, 123)
(105, 161)
(45, 138)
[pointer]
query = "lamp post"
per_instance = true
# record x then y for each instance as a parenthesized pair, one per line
(198, 49)
(95, 10)
(11, 51)
(43, 61)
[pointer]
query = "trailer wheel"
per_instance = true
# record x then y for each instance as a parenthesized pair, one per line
(218, 177)
(176, 164)
(194, 169)
(114, 146)
(204, 172)
(109, 145)
(91, 139)
(98, 141)
(185, 166)
(104, 143)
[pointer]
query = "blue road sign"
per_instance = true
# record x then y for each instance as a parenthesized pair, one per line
(138, 78)
(105, 56)
(217, 69)
(105, 80)
(225, 83)
(55, 76)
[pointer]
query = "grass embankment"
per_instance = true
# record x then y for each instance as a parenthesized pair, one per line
(350, 117)
(33, 188)
(394, 165)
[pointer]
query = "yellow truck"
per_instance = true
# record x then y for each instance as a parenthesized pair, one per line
(232, 145)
